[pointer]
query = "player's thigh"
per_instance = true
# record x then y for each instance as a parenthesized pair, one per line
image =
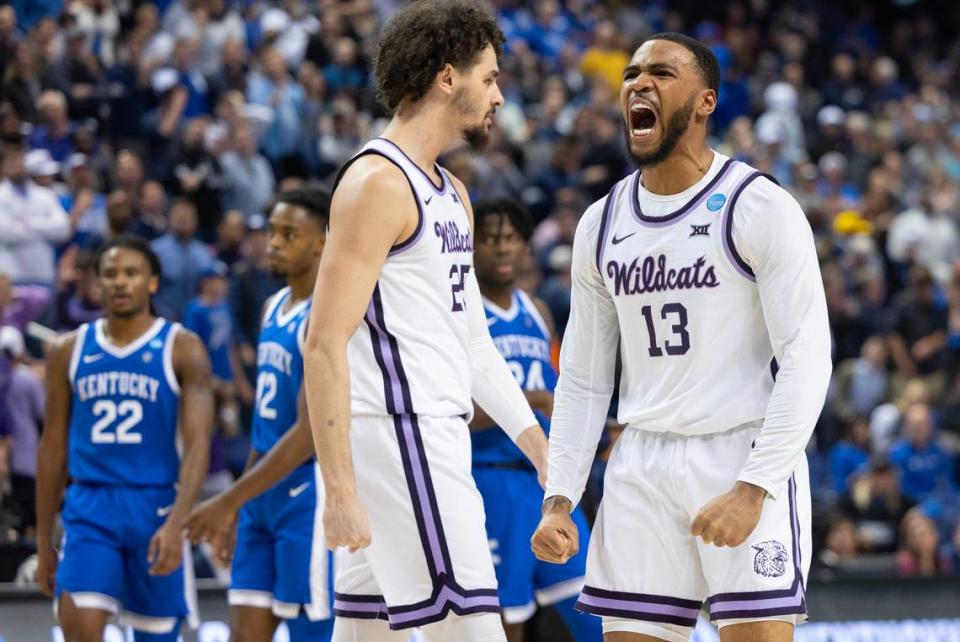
(80, 624)
(347, 629)
(758, 631)
(476, 627)
(510, 525)
(91, 567)
(253, 565)
(252, 624)
(765, 576)
(514, 632)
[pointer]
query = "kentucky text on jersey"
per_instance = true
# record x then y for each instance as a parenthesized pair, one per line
(124, 384)
(274, 355)
(652, 275)
(453, 240)
(514, 346)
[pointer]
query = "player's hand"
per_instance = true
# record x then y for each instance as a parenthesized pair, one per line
(345, 522)
(47, 560)
(556, 539)
(729, 519)
(214, 521)
(166, 549)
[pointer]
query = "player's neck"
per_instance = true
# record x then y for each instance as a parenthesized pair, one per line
(421, 133)
(123, 330)
(301, 285)
(681, 170)
(498, 293)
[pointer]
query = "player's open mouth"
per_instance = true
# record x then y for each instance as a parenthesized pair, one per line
(643, 120)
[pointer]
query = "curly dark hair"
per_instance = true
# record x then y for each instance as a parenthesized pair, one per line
(422, 38)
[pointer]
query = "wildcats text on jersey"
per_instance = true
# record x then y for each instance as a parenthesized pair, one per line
(453, 240)
(652, 275)
(270, 353)
(124, 384)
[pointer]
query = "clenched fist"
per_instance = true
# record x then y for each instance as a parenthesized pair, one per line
(729, 519)
(556, 539)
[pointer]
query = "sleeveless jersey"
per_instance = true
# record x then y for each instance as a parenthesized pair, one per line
(124, 408)
(695, 349)
(410, 354)
(523, 339)
(279, 369)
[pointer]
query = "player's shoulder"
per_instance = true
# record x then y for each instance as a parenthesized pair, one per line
(371, 176)
(62, 347)
(763, 190)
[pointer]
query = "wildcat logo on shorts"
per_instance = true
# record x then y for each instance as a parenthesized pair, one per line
(771, 558)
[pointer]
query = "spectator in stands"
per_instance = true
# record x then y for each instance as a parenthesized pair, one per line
(196, 175)
(56, 133)
(925, 467)
(25, 398)
(183, 258)
(849, 456)
(918, 327)
(606, 58)
(85, 203)
(248, 179)
(21, 84)
(231, 234)
(32, 221)
(840, 544)
(78, 299)
(346, 72)
(77, 74)
(273, 86)
(921, 553)
(877, 506)
(151, 208)
(864, 383)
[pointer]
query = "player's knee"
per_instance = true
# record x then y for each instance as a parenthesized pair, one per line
(80, 625)
(479, 627)
(352, 630)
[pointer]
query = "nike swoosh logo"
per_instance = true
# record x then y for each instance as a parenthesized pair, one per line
(163, 511)
(617, 241)
(427, 200)
(90, 358)
(299, 489)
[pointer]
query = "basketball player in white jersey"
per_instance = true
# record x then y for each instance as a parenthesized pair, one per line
(400, 345)
(704, 272)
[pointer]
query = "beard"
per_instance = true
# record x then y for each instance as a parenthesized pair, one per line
(674, 130)
(476, 136)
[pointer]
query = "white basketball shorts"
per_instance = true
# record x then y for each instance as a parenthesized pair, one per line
(429, 554)
(643, 564)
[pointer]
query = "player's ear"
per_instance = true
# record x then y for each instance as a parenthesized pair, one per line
(154, 284)
(708, 103)
(447, 78)
(318, 244)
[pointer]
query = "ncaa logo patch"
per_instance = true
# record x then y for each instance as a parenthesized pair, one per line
(771, 558)
(716, 201)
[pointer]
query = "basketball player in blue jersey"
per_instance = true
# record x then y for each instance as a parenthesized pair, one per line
(522, 329)
(702, 273)
(125, 394)
(280, 563)
(398, 345)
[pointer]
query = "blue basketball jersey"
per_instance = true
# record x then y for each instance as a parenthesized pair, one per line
(279, 369)
(124, 408)
(523, 339)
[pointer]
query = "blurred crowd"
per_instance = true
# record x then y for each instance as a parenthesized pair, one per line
(179, 119)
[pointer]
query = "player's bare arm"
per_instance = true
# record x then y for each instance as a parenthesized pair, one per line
(372, 210)
(192, 368)
(215, 519)
(494, 387)
(52, 458)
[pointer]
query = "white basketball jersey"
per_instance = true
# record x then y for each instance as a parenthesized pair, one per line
(695, 349)
(409, 356)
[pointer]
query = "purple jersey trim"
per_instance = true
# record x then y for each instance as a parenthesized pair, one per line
(752, 604)
(605, 226)
(447, 594)
(692, 204)
(729, 248)
(639, 606)
(444, 181)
